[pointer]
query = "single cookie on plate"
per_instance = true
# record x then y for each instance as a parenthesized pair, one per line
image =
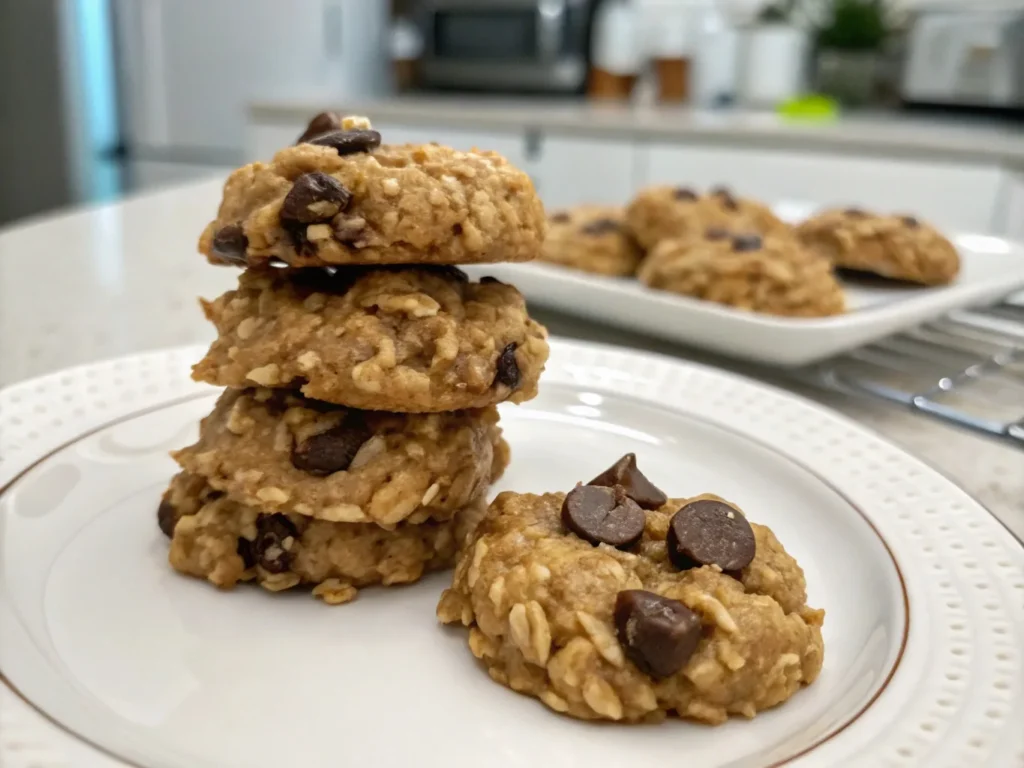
(591, 238)
(605, 606)
(280, 452)
(771, 274)
(342, 197)
(897, 247)
(225, 542)
(411, 339)
(663, 213)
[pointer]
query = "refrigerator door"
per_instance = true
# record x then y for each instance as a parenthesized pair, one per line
(189, 67)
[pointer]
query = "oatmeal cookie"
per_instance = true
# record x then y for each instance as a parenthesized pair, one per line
(897, 247)
(591, 238)
(605, 610)
(226, 542)
(344, 198)
(663, 213)
(400, 339)
(772, 274)
(280, 452)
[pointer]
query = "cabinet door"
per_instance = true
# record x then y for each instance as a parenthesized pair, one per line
(955, 196)
(572, 170)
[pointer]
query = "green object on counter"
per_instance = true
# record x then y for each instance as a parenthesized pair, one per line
(815, 108)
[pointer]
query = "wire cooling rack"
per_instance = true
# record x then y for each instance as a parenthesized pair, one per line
(965, 369)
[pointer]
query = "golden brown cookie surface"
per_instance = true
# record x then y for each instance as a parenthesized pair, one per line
(591, 238)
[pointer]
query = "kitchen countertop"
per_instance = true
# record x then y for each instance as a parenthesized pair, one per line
(122, 278)
(887, 133)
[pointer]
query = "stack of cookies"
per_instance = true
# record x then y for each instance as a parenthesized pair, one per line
(358, 436)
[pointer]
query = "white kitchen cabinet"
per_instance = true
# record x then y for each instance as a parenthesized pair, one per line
(956, 195)
(572, 170)
(1012, 213)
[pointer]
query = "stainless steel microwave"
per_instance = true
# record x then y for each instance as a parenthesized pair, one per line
(506, 45)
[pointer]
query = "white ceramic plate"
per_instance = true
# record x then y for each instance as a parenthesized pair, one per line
(924, 591)
(991, 268)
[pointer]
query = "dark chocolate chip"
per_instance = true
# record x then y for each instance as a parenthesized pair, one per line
(910, 221)
(709, 532)
(746, 243)
(855, 212)
(560, 218)
(271, 548)
(601, 227)
(333, 450)
(507, 372)
(624, 472)
(488, 280)
(658, 634)
(349, 142)
(683, 193)
(717, 233)
(720, 191)
(325, 122)
(315, 197)
(603, 515)
(244, 548)
(167, 517)
(229, 244)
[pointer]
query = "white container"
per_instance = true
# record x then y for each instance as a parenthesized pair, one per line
(716, 50)
(773, 64)
(617, 43)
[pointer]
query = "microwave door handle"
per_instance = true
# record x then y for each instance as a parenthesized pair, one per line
(550, 20)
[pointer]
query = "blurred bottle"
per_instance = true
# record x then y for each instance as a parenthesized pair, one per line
(406, 48)
(715, 56)
(670, 31)
(616, 51)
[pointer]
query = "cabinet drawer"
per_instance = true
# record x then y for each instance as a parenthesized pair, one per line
(571, 171)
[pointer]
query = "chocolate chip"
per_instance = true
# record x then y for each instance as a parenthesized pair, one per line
(726, 198)
(507, 372)
(332, 451)
(624, 472)
(272, 545)
(315, 197)
(682, 193)
(229, 244)
(658, 634)
(855, 213)
(244, 548)
(746, 243)
(720, 191)
(717, 233)
(488, 280)
(167, 517)
(603, 515)
(601, 227)
(708, 532)
(560, 218)
(910, 221)
(325, 122)
(349, 142)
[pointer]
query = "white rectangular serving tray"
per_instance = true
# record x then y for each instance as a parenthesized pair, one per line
(991, 268)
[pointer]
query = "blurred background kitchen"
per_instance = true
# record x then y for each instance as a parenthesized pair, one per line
(904, 104)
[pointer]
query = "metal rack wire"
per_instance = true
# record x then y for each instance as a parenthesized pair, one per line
(965, 369)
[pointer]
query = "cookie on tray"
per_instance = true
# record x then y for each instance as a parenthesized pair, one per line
(663, 213)
(591, 238)
(225, 542)
(410, 339)
(612, 602)
(342, 197)
(771, 274)
(280, 452)
(896, 247)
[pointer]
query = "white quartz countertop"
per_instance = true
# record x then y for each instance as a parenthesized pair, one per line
(123, 278)
(895, 133)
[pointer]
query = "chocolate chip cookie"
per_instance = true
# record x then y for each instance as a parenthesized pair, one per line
(897, 247)
(591, 238)
(663, 213)
(772, 274)
(399, 339)
(604, 608)
(280, 452)
(225, 542)
(343, 197)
